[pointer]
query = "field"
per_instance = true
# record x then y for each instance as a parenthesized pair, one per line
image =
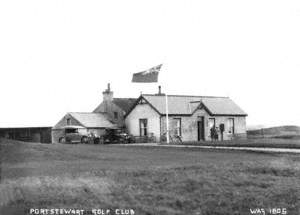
(150, 180)
(282, 132)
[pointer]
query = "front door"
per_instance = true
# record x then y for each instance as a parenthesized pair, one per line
(200, 126)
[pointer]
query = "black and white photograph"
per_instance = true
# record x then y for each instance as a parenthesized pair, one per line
(138, 107)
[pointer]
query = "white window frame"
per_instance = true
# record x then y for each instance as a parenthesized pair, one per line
(143, 126)
(231, 125)
(209, 122)
(177, 129)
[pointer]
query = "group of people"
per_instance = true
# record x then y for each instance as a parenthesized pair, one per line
(214, 133)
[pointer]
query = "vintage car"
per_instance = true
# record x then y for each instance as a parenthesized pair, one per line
(76, 134)
(115, 136)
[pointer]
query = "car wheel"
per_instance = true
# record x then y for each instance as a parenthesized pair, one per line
(97, 140)
(101, 141)
(84, 140)
(62, 140)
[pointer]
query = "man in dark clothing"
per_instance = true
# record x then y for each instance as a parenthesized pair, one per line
(216, 134)
(212, 133)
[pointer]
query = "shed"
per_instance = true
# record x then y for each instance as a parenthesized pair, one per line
(90, 122)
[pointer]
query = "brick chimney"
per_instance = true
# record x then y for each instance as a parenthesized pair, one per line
(108, 94)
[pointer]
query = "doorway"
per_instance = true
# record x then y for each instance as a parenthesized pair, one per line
(200, 126)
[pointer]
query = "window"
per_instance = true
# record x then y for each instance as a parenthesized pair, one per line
(143, 127)
(211, 122)
(68, 121)
(71, 130)
(230, 125)
(116, 116)
(177, 126)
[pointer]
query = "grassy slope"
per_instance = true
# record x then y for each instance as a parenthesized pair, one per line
(150, 180)
(288, 132)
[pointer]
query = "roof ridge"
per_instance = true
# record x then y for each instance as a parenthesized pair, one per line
(123, 98)
(186, 96)
(8, 127)
(84, 112)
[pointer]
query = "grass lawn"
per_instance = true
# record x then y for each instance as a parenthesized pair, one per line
(150, 180)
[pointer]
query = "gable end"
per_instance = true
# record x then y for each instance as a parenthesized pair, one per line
(139, 101)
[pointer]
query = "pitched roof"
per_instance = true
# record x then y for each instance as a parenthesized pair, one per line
(124, 103)
(186, 105)
(92, 120)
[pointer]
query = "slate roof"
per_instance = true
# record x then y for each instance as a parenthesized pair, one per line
(186, 105)
(92, 120)
(124, 103)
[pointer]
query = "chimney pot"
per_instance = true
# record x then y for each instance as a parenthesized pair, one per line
(159, 92)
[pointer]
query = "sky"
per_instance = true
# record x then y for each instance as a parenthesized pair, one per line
(58, 56)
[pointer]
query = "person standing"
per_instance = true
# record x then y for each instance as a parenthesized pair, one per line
(217, 133)
(213, 133)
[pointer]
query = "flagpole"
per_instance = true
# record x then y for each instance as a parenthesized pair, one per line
(167, 118)
(150, 76)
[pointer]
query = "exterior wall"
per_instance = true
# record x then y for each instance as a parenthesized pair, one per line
(239, 127)
(109, 108)
(189, 126)
(63, 122)
(28, 134)
(143, 111)
(56, 134)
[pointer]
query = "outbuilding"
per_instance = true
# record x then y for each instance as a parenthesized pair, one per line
(27, 134)
(95, 123)
(108, 114)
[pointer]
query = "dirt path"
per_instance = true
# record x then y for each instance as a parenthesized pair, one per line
(254, 149)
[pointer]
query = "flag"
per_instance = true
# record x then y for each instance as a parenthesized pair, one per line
(147, 76)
